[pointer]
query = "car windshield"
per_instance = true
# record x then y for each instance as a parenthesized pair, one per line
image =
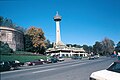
(115, 67)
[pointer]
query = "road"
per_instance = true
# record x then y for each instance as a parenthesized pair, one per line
(72, 70)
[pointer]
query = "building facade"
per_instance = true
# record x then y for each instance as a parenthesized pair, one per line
(13, 37)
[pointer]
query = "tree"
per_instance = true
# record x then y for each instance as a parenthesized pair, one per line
(97, 48)
(108, 46)
(90, 48)
(37, 37)
(86, 48)
(28, 43)
(69, 45)
(73, 45)
(77, 46)
(4, 48)
(1, 20)
(117, 48)
(48, 44)
(7, 23)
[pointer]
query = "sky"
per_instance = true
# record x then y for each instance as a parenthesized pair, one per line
(83, 21)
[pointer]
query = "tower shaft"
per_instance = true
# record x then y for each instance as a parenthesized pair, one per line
(58, 37)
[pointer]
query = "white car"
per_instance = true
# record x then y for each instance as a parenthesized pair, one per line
(96, 56)
(60, 59)
(112, 73)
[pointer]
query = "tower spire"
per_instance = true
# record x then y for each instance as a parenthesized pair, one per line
(57, 13)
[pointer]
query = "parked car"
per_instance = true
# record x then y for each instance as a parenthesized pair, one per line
(15, 64)
(44, 61)
(112, 73)
(54, 60)
(29, 64)
(96, 56)
(91, 57)
(61, 59)
(37, 62)
(4, 66)
(118, 56)
(51, 59)
(48, 60)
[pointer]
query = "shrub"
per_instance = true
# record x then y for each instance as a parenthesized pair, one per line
(4, 48)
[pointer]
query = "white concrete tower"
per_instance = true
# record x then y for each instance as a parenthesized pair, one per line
(57, 19)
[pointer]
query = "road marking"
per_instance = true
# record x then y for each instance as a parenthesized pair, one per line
(44, 70)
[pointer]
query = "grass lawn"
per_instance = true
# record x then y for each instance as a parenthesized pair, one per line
(21, 58)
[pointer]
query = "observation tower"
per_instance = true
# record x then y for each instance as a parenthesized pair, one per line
(57, 19)
(59, 48)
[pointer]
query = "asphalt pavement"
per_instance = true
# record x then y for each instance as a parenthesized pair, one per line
(67, 70)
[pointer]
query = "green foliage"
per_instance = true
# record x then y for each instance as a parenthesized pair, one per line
(87, 48)
(1, 20)
(35, 40)
(98, 48)
(117, 48)
(23, 52)
(4, 48)
(21, 58)
(5, 22)
(73, 45)
(77, 46)
(48, 44)
(28, 43)
(108, 46)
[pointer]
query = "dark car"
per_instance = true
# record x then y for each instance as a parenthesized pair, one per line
(118, 56)
(4, 66)
(112, 73)
(36, 62)
(115, 67)
(54, 60)
(15, 64)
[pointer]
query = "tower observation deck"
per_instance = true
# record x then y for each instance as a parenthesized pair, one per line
(57, 17)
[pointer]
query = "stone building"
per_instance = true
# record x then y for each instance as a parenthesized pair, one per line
(14, 38)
